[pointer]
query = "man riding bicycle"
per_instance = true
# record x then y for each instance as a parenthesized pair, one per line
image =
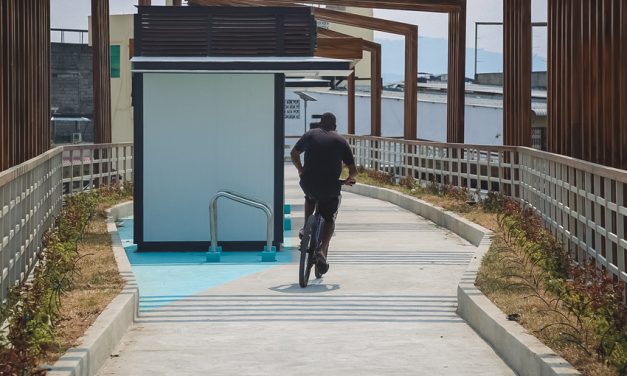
(325, 150)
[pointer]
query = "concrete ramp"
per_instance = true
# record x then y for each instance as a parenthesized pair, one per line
(386, 307)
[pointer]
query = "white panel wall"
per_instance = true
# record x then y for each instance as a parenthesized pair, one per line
(482, 124)
(204, 133)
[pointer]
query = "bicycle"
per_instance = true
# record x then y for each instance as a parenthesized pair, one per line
(309, 244)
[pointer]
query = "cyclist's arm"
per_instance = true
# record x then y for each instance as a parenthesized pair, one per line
(352, 174)
(352, 171)
(349, 160)
(295, 155)
(298, 149)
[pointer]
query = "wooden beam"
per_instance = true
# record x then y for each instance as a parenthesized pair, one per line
(410, 32)
(340, 48)
(376, 82)
(438, 6)
(142, 3)
(351, 103)
(456, 10)
(456, 92)
(517, 73)
(376, 86)
(411, 86)
(102, 66)
(365, 22)
(24, 80)
(587, 81)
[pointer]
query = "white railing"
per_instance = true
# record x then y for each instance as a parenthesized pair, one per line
(87, 166)
(480, 168)
(31, 198)
(582, 203)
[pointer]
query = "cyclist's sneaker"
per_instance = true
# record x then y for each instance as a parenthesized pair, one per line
(322, 266)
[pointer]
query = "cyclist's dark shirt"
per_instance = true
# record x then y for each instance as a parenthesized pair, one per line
(324, 153)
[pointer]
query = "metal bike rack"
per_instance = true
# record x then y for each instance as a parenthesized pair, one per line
(269, 252)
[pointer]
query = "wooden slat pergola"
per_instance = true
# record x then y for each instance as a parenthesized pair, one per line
(456, 10)
(24, 80)
(410, 33)
(375, 82)
(587, 76)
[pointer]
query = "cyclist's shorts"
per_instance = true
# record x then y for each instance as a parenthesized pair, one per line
(327, 207)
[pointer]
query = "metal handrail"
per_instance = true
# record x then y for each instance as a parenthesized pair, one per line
(238, 197)
(80, 32)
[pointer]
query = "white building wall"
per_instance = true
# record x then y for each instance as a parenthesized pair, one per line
(204, 133)
(483, 125)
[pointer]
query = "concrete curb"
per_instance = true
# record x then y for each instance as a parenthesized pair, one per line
(103, 336)
(524, 353)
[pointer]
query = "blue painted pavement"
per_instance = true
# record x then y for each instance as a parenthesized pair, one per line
(165, 277)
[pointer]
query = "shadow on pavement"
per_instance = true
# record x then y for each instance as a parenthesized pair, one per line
(315, 286)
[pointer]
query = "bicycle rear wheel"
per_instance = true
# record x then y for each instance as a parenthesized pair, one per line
(307, 252)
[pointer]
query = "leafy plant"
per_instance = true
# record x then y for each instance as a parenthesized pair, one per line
(588, 306)
(408, 182)
(380, 176)
(493, 202)
(32, 309)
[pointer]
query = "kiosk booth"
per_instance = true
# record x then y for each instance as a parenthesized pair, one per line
(208, 97)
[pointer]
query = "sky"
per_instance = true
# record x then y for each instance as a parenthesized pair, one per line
(73, 14)
(434, 25)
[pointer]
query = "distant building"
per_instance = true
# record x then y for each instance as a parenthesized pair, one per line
(121, 39)
(483, 113)
(71, 87)
(538, 79)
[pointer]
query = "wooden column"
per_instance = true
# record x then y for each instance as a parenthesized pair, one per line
(351, 103)
(517, 72)
(376, 82)
(411, 85)
(102, 67)
(410, 32)
(4, 87)
(24, 80)
(587, 75)
(456, 74)
(456, 10)
(376, 86)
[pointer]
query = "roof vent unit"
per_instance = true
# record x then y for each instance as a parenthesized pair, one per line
(77, 138)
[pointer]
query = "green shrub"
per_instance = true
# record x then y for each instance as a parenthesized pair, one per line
(433, 188)
(32, 309)
(408, 182)
(380, 176)
(493, 202)
(594, 300)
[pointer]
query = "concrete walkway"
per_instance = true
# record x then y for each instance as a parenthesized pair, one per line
(386, 307)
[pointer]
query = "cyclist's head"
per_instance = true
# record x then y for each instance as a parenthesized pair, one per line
(327, 122)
